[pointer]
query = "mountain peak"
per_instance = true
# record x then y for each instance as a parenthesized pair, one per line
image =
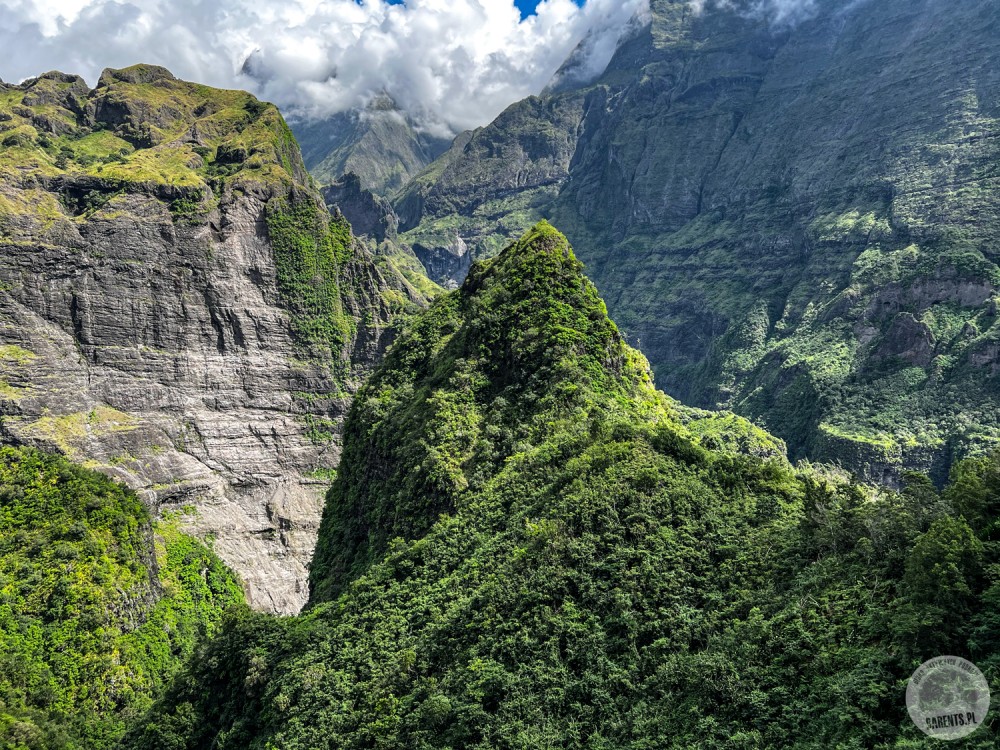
(522, 351)
(138, 74)
(142, 125)
(542, 250)
(544, 238)
(534, 305)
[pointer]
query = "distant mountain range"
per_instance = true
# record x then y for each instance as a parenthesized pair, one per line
(380, 143)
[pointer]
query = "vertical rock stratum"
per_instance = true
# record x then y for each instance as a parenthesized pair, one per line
(178, 309)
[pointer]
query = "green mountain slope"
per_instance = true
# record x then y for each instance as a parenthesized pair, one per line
(529, 546)
(99, 606)
(142, 125)
(797, 223)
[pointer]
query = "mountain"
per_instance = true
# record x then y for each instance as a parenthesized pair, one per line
(180, 310)
(100, 606)
(795, 221)
(380, 143)
(529, 546)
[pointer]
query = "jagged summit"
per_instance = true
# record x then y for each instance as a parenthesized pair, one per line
(526, 342)
(58, 77)
(534, 316)
(523, 351)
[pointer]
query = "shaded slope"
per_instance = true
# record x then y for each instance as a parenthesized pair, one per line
(797, 223)
(528, 549)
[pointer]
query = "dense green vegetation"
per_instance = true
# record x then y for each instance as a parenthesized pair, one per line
(140, 125)
(528, 546)
(524, 347)
(98, 607)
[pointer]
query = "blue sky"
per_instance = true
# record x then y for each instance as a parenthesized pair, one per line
(527, 7)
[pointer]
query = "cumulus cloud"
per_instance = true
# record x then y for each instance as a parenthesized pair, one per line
(457, 62)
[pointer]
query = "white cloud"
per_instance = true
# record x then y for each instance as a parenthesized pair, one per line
(777, 12)
(458, 61)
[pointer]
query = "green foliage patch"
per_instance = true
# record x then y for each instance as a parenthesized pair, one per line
(525, 547)
(98, 607)
(310, 250)
(148, 128)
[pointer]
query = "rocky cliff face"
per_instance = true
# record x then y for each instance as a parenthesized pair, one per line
(178, 309)
(796, 222)
(491, 186)
(367, 213)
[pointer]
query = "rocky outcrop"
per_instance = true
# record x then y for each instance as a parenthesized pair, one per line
(380, 143)
(149, 323)
(367, 213)
(907, 339)
(448, 264)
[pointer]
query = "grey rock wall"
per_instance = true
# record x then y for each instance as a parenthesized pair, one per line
(158, 351)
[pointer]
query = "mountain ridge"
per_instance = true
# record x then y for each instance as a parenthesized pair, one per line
(527, 546)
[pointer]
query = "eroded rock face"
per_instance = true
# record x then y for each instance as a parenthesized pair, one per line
(368, 213)
(161, 352)
(144, 331)
(448, 263)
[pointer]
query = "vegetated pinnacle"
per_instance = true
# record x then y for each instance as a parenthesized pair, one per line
(543, 239)
(542, 251)
(534, 302)
(523, 352)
